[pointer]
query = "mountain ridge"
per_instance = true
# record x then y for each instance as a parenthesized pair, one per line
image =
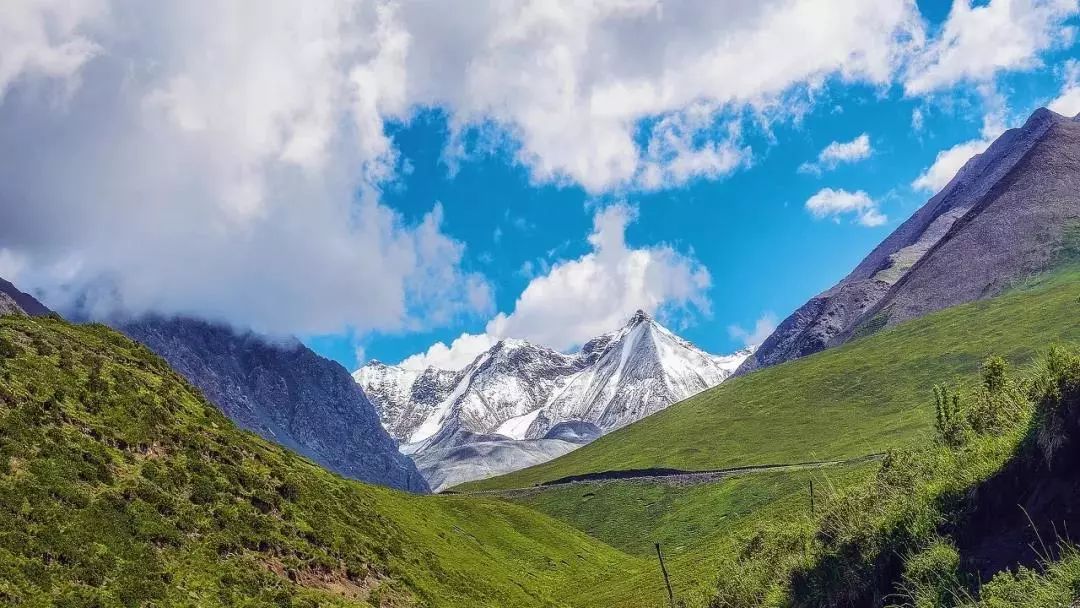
(520, 390)
(14, 301)
(857, 304)
(283, 392)
(519, 404)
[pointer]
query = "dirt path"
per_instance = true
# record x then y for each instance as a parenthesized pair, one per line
(676, 477)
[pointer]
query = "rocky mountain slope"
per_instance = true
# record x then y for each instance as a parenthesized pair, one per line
(15, 302)
(1017, 204)
(513, 396)
(285, 393)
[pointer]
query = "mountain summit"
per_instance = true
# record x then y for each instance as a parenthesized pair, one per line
(1009, 213)
(520, 391)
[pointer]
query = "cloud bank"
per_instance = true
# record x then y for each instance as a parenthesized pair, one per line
(225, 159)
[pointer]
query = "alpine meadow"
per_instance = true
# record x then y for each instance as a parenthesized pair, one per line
(626, 303)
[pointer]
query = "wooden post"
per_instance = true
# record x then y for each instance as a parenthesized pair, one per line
(663, 568)
(812, 497)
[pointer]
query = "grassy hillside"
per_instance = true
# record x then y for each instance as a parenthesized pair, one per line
(979, 516)
(860, 398)
(121, 486)
(695, 524)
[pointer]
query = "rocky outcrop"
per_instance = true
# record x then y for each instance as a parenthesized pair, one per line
(284, 392)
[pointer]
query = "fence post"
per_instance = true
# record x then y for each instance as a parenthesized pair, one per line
(812, 510)
(663, 568)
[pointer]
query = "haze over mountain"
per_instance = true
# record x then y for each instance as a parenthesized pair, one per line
(519, 404)
(285, 393)
(1009, 213)
(13, 301)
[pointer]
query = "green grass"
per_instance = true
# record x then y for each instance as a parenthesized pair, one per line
(694, 524)
(121, 486)
(894, 540)
(859, 398)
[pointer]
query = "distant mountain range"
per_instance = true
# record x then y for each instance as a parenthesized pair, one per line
(1010, 212)
(506, 403)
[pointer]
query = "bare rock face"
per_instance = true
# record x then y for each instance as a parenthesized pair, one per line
(1009, 213)
(284, 392)
(15, 302)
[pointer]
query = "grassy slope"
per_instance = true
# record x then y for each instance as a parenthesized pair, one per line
(859, 398)
(121, 485)
(984, 493)
(694, 524)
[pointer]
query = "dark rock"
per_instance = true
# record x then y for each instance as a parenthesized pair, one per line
(575, 431)
(284, 392)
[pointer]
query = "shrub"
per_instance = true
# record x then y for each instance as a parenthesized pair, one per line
(950, 421)
(1056, 392)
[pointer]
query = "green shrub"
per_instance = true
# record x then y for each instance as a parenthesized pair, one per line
(950, 421)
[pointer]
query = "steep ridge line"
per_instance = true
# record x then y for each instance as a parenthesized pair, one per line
(674, 476)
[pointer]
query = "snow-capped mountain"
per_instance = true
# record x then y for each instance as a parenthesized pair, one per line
(519, 390)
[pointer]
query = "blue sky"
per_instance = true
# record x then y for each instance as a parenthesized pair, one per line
(413, 181)
(765, 253)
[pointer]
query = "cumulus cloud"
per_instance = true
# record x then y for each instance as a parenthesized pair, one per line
(225, 158)
(1067, 103)
(837, 203)
(950, 160)
(978, 42)
(578, 299)
(763, 328)
(217, 161)
(461, 352)
(839, 152)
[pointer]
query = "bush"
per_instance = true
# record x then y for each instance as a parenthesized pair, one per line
(1056, 392)
(950, 421)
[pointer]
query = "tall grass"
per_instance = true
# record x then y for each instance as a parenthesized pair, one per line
(889, 542)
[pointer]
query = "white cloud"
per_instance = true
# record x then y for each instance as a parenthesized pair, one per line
(460, 353)
(1067, 103)
(917, 120)
(836, 203)
(949, 161)
(573, 82)
(220, 161)
(763, 328)
(839, 152)
(41, 38)
(582, 298)
(978, 42)
(158, 154)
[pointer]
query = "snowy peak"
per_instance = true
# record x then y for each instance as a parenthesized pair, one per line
(638, 318)
(521, 391)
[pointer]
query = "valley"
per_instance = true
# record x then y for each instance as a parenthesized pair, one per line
(846, 402)
(877, 449)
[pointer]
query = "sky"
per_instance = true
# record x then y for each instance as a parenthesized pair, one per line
(413, 181)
